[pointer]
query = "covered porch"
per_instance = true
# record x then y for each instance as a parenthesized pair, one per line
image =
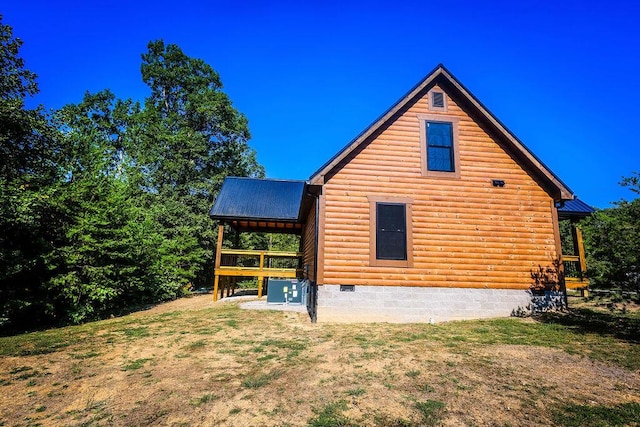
(249, 205)
(246, 263)
(574, 261)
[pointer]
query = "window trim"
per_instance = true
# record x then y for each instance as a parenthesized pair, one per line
(423, 119)
(373, 222)
(444, 100)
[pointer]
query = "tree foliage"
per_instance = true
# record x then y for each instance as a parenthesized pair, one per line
(188, 138)
(104, 204)
(29, 213)
(612, 240)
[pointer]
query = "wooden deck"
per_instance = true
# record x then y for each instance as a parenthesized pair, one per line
(255, 263)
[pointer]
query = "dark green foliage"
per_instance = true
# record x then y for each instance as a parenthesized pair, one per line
(29, 212)
(23, 132)
(283, 242)
(104, 205)
(612, 241)
(187, 139)
(586, 415)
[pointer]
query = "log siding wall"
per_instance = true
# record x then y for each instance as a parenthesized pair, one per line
(466, 233)
(308, 244)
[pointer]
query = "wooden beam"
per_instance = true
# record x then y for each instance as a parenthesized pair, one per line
(255, 272)
(216, 281)
(260, 277)
(260, 282)
(581, 254)
(217, 264)
(266, 253)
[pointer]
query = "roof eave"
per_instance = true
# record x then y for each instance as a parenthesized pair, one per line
(318, 176)
(227, 218)
(563, 191)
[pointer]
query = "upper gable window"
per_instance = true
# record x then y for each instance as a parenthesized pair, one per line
(437, 100)
(439, 146)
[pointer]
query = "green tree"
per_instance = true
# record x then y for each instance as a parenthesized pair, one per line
(612, 240)
(188, 138)
(103, 262)
(29, 214)
(105, 204)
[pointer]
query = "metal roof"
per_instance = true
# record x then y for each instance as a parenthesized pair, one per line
(259, 199)
(575, 208)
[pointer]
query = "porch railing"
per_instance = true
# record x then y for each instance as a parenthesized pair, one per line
(260, 264)
(575, 265)
(574, 271)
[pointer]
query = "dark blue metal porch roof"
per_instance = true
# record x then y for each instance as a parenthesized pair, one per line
(259, 200)
(575, 208)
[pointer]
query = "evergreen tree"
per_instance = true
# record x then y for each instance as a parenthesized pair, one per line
(29, 219)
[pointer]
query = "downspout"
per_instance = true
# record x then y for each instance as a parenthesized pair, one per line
(314, 302)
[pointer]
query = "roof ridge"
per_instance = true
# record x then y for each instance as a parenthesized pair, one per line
(564, 192)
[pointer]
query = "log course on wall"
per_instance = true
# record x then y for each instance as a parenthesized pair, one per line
(466, 233)
(308, 244)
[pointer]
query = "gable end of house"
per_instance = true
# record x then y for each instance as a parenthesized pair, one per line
(451, 87)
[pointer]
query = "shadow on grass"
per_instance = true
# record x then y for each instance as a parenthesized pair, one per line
(584, 320)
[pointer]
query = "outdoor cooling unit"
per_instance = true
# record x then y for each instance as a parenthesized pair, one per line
(286, 291)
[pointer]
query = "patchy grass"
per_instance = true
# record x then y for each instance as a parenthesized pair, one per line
(331, 415)
(196, 345)
(358, 391)
(412, 373)
(598, 416)
(44, 342)
(261, 380)
(431, 411)
(205, 398)
(139, 332)
(218, 365)
(134, 365)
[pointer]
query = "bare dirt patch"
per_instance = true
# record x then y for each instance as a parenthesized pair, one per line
(193, 362)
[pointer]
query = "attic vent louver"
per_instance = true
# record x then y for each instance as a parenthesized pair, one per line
(437, 99)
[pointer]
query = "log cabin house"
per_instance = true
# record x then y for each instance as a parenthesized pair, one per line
(435, 211)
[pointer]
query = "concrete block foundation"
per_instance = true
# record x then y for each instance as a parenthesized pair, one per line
(402, 304)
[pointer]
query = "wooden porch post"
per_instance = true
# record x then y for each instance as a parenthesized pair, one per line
(579, 246)
(260, 276)
(581, 254)
(216, 278)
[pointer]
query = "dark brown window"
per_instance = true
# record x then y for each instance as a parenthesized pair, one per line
(440, 147)
(391, 233)
(391, 242)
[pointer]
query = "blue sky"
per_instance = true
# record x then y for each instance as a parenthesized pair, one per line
(562, 75)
